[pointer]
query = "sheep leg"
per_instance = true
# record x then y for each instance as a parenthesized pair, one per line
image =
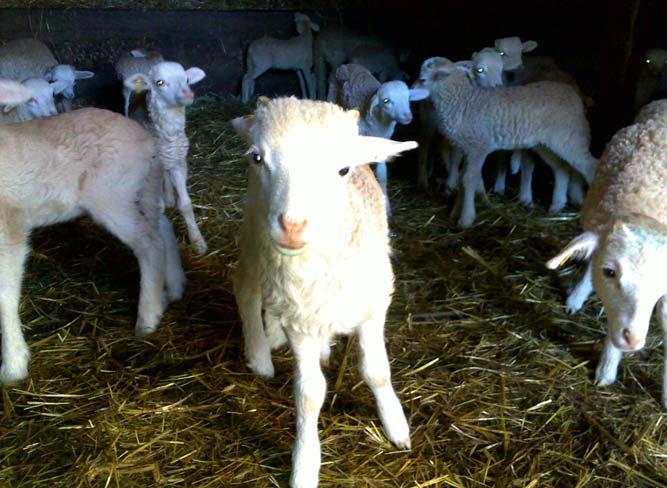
(452, 165)
(168, 188)
(561, 178)
(381, 175)
(501, 175)
(179, 177)
(515, 161)
(321, 76)
(526, 186)
(13, 251)
(577, 156)
(310, 83)
(582, 290)
(662, 317)
(423, 167)
(131, 225)
(302, 84)
(257, 349)
(377, 375)
(605, 373)
(575, 190)
(309, 391)
(470, 182)
(127, 93)
(174, 275)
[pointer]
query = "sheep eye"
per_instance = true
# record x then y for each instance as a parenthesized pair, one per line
(256, 157)
(159, 82)
(344, 171)
(480, 70)
(386, 100)
(502, 53)
(648, 61)
(609, 272)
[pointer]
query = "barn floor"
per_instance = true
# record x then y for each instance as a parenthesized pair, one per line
(495, 377)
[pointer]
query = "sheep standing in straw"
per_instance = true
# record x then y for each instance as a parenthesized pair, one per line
(314, 257)
(625, 240)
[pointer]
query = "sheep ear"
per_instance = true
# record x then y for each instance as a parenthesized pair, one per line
(369, 149)
(418, 94)
(194, 75)
(375, 101)
(580, 247)
(315, 27)
(59, 87)
(243, 126)
(138, 82)
(528, 46)
(13, 93)
(137, 53)
(83, 75)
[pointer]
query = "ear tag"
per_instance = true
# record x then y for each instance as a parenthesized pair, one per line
(138, 85)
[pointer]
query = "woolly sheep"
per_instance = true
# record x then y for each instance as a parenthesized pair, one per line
(334, 46)
(309, 271)
(652, 79)
(625, 241)
(30, 58)
(136, 61)
(93, 162)
(382, 106)
(543, 115)
(170, 92)
(381, 61)
(40, 104)
(293, 54)
(655, 111)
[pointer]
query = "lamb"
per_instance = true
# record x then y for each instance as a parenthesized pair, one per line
(652, 79)
(170, 92)
(334, 46)
(381, 61)
(308, 270)
(293, 54)
(540, 115)
(625, 243)
(136, 61)
(40, 103)
(88, 161)
(30, 58)
(382, 105)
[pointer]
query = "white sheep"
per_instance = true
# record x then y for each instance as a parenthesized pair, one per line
(382, 105)
(625, 241)
(314, 257)
(169, 93)
(334, 46)
(40, 104)
(291, 54)
(382, 61)
(88, 161)
(544, 115)
(136, 61)
(30, 58)
(652, 77)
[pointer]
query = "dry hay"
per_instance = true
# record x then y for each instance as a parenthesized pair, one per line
(495, 378)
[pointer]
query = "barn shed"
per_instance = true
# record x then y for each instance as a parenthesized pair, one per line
(496, 379)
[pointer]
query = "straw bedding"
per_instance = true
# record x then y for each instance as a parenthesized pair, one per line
(495, 378)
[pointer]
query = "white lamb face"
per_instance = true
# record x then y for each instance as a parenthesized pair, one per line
(656, 60)
(511, 49)
(487, 68)
(67, 74)
(629, 276)
(302, 156)
(41, 102)
(304, 24)
(168, 82)
(393, 100)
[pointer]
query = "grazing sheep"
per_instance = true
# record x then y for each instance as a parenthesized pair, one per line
(170, 92)
(381, 61)
(93, 162)
(544, 115)
(652, 80)
(40, 104)
(625, 241)
(334, 46)
(314, 257)
(136, 61)
(30, 58)
(382, 105)
(293, 54)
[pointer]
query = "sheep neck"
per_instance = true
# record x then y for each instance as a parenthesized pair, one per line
(450, 98)
(169, 122)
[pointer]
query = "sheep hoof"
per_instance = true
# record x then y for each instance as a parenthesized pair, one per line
(604, 377)
(264, 369)
(526, 203)
(200, 247)
(573, 305)
(15, 368)
(466, 222)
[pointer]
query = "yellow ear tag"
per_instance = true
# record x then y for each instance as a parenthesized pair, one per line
(138, 85)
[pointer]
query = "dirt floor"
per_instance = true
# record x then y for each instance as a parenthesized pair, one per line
(495, 377)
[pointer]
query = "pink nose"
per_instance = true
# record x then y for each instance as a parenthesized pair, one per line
(293, 233)
(632, 340)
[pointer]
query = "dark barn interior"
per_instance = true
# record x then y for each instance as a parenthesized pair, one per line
(496, 379)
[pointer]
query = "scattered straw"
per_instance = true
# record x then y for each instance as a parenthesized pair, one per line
(495, 377)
